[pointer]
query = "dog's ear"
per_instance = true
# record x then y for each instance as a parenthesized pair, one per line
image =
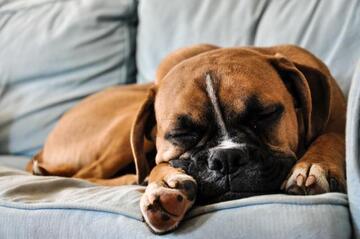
(310, 88)
(178, 56)
(143, 127)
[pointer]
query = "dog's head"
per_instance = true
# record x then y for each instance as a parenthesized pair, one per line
(235, 119)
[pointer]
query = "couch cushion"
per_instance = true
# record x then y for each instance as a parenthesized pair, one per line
(14, 161)
(353, 151)
(53, 53)
(53, 207)
(330, 29)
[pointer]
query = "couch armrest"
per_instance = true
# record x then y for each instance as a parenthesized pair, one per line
(353, 151)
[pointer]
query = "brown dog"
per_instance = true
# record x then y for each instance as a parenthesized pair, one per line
(226, 122)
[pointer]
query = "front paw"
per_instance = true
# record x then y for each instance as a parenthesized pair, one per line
(165, 203)
(310, 179)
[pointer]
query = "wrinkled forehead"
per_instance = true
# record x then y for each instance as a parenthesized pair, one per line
(236, 79)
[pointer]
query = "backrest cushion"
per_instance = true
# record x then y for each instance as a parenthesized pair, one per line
(330, 29)
(52, 54)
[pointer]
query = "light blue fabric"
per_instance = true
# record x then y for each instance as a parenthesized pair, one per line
(352, 151)
(330, 29)
(52, 54)
(54, 207)
(14, 161)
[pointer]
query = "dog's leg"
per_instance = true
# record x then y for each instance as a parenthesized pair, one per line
(321, 169)
(101, 171)
(128, 179)
(107, 165)
(168, 196)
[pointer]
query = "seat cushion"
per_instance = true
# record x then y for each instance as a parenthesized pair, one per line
(329, 29)
(14, 161)
(53, 207)
(54, 53)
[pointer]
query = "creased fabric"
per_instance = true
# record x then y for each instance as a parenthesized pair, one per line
(55, 207)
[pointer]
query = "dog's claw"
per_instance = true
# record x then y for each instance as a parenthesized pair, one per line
(310, 181)
(300, 180)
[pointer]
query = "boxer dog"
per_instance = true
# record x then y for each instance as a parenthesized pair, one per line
(217, 124)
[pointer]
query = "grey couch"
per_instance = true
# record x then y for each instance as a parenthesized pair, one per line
(53, 53)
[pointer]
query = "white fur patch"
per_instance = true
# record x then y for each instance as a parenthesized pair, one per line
(315, 170)
(320, 174)
(226, 143)
(214, 101)
(35, 168)
(229, 144)
(173, 179)
(298, 171)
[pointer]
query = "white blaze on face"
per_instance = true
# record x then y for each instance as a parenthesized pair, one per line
(229, 144)
(214, 101)
(226, 142)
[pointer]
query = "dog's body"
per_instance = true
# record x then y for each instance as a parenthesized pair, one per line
(227, 123)
(99, 147)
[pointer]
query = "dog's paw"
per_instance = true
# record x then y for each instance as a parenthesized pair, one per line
(311, 179)
(165, 203)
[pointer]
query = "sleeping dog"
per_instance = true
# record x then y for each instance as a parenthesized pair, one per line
(217, 124)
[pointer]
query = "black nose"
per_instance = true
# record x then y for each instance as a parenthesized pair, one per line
(227, 161)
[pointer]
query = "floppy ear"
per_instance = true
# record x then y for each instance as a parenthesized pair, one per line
(142, 126)
(310, 88)
(145, 119)
(178, 56)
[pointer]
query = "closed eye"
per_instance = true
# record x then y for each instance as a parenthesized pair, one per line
(186, 132)
(270, 113)
(183, 138)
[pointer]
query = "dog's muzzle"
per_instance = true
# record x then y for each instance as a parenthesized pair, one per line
(232, 173)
